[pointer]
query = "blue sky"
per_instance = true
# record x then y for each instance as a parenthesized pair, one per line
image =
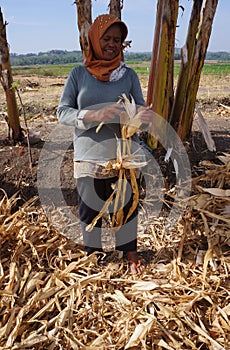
(43, 25)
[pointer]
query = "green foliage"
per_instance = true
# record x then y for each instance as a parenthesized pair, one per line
(218, 68)
(56, 57)
(210, 68)
(15, 84)
(142, 69)
(46, 58)
(138, 57)
(44, 70)
(218, 56)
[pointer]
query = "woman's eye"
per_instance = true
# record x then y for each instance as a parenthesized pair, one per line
(116, 40)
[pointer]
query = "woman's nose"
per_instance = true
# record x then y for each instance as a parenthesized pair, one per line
(111, 42)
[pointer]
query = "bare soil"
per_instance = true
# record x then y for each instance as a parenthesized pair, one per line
(40, 96)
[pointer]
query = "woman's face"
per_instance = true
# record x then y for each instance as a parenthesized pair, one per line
(110, 42)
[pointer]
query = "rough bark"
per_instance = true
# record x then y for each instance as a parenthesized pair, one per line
(115, 7)
(187, 57)
(193, 57)
(84, 17)
(203, 36)
(7, 82)
(178, 109)
(155, 52)
(160, 87)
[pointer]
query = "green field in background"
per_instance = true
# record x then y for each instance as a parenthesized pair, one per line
(210, 68)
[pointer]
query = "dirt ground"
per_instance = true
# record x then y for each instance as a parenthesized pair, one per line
(40, 96)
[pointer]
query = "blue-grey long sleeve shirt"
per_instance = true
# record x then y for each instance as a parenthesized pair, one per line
(83, 92)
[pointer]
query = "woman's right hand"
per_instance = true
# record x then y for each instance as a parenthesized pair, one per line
(105, 114)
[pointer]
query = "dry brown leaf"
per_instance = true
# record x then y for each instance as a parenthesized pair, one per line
(145, 285)
(140, 333)
(52, 293)
(205, 131)
(219, 192)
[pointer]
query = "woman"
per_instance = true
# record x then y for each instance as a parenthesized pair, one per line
(90, 99)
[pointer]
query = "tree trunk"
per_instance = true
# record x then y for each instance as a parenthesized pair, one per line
(84, 17)
(178, 109)
(187, 57)
(7, 81)
(115, 8)
(196, 47)
(203, 36)
(160, 87)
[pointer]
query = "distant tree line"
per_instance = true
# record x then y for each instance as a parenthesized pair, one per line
(50, 57)
(62, 57)
(218, 56)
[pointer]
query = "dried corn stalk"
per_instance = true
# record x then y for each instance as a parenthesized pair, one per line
(53, 296)
(125, 161)
(205, 131)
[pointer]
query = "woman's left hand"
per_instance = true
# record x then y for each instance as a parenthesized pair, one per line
(146, 114)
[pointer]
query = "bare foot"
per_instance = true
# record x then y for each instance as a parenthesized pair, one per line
(135, 264)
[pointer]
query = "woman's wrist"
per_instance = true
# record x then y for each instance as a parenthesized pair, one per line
(91, 116)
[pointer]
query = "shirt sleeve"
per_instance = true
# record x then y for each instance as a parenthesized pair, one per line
(79, 123)
(68, 112)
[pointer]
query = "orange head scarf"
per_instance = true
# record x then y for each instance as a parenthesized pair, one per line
(95, 64)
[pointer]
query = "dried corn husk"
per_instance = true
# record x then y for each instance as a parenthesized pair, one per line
(125, 161)
(205, 131)
(131, 127)
(53, 296)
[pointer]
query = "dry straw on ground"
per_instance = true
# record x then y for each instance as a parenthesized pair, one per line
(52, 296)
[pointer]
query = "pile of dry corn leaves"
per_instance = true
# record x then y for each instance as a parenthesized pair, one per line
(52, 296)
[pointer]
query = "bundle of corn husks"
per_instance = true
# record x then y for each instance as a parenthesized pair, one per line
(125, 161)
(52, 296)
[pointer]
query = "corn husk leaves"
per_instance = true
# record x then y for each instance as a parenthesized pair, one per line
(125, 160)
(205, 131)
(52, 296)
